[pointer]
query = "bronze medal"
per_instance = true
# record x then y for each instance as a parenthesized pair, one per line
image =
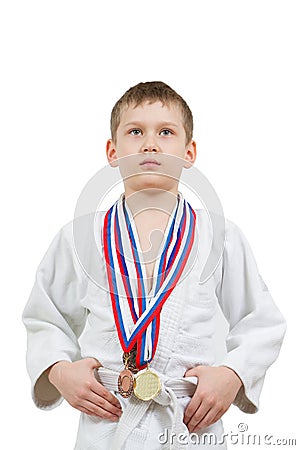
(125, 383)
(126, 379)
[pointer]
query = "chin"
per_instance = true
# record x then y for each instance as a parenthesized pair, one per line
(152, 181)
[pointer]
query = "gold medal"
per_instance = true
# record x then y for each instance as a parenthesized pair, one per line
(147, 385)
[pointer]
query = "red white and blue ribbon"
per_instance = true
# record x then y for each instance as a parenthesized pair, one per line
(137, 312)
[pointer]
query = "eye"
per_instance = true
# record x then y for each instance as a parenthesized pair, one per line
(135, 132)
(166, 132)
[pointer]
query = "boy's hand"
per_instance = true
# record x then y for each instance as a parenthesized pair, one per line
(76, 382)
(216, 389)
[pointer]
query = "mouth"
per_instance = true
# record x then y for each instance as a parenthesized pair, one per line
(150, 162)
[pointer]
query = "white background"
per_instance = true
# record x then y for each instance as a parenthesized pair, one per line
(63, 66)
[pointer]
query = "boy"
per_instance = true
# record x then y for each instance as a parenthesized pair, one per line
(144, 365)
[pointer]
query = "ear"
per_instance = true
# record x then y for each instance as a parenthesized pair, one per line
(111, 153)
(190, 155)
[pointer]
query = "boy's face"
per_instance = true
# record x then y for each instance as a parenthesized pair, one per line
(150, 147)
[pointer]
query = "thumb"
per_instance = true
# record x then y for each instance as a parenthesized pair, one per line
(94, 363)
(193, 372)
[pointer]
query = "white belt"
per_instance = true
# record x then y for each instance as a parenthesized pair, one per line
(171, 389)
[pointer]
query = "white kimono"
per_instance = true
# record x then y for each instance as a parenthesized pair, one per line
(69, 317)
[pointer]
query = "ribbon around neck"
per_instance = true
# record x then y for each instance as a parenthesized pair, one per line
(137, 312)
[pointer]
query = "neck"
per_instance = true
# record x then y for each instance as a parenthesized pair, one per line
(151, 201)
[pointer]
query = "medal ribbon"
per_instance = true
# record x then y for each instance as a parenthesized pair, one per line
(127, 275)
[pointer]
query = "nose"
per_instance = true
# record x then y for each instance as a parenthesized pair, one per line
(150, 148)
(149, 143)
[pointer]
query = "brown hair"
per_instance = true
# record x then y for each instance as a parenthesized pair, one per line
(151, 91)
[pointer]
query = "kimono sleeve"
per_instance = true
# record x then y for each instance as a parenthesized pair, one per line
(54, 317)
(256, 326)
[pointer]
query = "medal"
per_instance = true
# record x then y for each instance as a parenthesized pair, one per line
(125, 383)
(147, 385)
(125, 379)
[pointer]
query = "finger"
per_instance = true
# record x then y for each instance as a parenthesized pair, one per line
(191, 408)
(99, 389)
(219, 415)
(94, 410)
(198, 416)
(97, 400)
(215, 412)
(206, 421)
(85, 411)
(191, 373)
(81, 408)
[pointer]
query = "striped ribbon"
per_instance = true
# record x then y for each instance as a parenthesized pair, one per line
(137, 312)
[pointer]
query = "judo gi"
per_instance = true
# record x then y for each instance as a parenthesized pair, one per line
(69, 316)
